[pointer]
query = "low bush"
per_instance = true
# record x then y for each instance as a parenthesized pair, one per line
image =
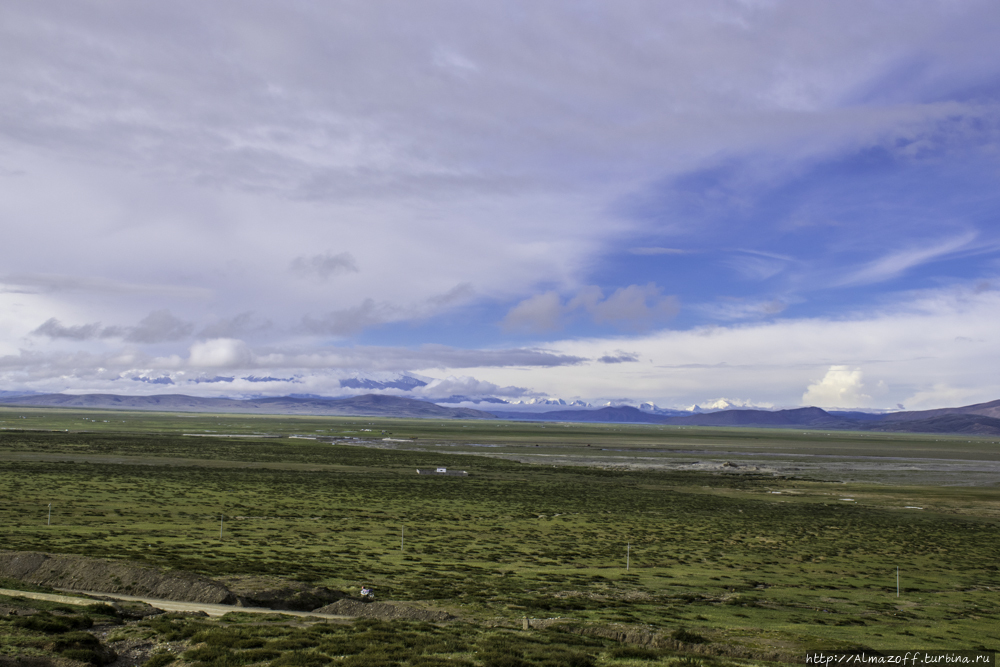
(83, 647)
(160, 660)
(636, 653)
(302, 659)
(45, 622)
(171, 629)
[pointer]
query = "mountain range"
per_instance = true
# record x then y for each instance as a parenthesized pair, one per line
(980, 419)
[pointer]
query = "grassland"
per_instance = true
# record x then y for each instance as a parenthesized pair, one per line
(759, 560)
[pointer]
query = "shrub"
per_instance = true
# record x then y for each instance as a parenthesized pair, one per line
(160, 660)
(504, 660)
(636, 653)
(259, 655)
(84, 647)
(45, 622)
(87, 655)
(101, 609)
(301, 659)
(343, 646)
(171, 628)
(291, 643)
(228, 639)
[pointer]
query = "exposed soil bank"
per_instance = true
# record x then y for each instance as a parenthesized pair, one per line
(126, 578)
(382, 611)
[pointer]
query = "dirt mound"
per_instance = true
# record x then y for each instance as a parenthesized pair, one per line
(276, 593)
(124, 577)
(383, 611)
(109, 576)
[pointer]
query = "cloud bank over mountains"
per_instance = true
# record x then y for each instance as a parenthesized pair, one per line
(788, 203)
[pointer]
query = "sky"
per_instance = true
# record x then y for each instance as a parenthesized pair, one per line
(703, 202)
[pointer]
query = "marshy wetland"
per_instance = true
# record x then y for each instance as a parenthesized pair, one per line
(751, 544)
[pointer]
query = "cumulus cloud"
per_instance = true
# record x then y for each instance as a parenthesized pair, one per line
(350, 320)
(53, 328)
(935, 338)
(457, 294)
(159, 326)
(618, 357)
(542, 312)
(457, 159)
(244, 324)
(220, 353)
(634, 308)
(840, 387)
(321, 267)
(466, 386)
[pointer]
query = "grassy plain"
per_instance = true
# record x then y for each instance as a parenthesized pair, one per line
(756, 559)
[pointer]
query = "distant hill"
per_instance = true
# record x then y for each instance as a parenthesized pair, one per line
(991, 409)
(805, 417)
(946, 423)
(369, 404)
(973, 419)
(980, 419)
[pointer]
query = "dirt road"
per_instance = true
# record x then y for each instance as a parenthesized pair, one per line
(166, 605)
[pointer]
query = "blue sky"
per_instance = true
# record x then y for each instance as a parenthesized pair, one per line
(715, 203)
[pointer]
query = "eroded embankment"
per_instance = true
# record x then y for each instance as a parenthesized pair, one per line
(122, 577)
(383, 611)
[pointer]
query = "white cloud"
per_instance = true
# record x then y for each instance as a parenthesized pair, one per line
(541, 312)
(220, 353)
(243, 324)
(321, 267)
(351, 320)
(53, 328)
(47, 283)
(943, 337)
(756, 267)
(466, 386)
(737, 309)
(158, 327)
(466, 156)
(656, 250)
(841, 387)
(636, 308)
(896, 263)
(619, 357)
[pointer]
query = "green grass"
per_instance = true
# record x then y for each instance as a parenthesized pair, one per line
(759, 562)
